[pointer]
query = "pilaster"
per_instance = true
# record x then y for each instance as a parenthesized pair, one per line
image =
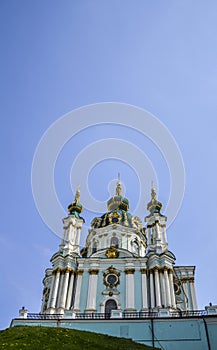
(70, 291)
(92, 289)
(157, 287)
(144, 289)
(130, 301)
(78, 291)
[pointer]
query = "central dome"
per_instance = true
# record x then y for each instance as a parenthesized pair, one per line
(117, 213)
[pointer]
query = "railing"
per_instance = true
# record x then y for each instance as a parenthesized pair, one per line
(123, 315)
(44, 316)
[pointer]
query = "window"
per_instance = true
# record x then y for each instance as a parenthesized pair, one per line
(114, 241)
(94, 249)
(135, 247)
(109, 306)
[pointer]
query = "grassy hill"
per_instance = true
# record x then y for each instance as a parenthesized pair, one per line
(49, 338)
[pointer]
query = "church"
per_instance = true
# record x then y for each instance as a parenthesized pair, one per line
(123, 266)
(123, 282)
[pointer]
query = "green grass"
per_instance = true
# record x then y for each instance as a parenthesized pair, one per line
(50, 338)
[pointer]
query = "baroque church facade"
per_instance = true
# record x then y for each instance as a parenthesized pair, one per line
(124, 268)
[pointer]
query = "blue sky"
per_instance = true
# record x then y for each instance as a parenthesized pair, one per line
(60, 55)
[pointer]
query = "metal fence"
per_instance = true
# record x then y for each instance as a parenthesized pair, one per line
(123, 315)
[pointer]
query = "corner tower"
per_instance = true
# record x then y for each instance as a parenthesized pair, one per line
(156, 225)
(59, 281)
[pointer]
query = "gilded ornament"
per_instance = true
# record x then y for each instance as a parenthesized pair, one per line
(111, 277)
(112, 252)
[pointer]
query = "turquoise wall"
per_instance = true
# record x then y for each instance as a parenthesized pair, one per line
(169, 334)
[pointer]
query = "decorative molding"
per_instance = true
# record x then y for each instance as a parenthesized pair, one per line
(111, 271)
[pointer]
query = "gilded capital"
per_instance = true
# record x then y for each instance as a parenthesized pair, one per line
(93, 272)
(80, 272)
(67, 270)
(129, 271)
(143, 271)
(58, 269)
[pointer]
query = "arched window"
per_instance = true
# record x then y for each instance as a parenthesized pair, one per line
(94, 249)
(114, 241)
(109, 306)
(135, 246)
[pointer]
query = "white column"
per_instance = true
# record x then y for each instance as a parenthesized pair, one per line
(51, 289)
(64, 289)
(124, 241)
(163, 291)
(142, 250)
(59, 289)
(100, 246)
(144, 289)
(78, 236)
(152, 289)
(55, 289)
(72, 234)
(164, 234)
(158, 238)
(184, 285)
(157, 287)
(128, 241)
(92, 289)
(149, 236)
(130, 289)
(70, 290)
(193, 294)
(105, 240)
(78, 291)
(172, 292)
(167, 287)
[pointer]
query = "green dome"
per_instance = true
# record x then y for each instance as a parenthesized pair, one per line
(117, 213)
(76, 207)
(118, 202)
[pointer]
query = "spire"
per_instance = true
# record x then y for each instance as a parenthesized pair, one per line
(77, 195)
(154, 206)
(153, 192)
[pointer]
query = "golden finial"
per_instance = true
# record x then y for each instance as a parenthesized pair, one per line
(153, 192)
(77, 195)
(118, 187)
